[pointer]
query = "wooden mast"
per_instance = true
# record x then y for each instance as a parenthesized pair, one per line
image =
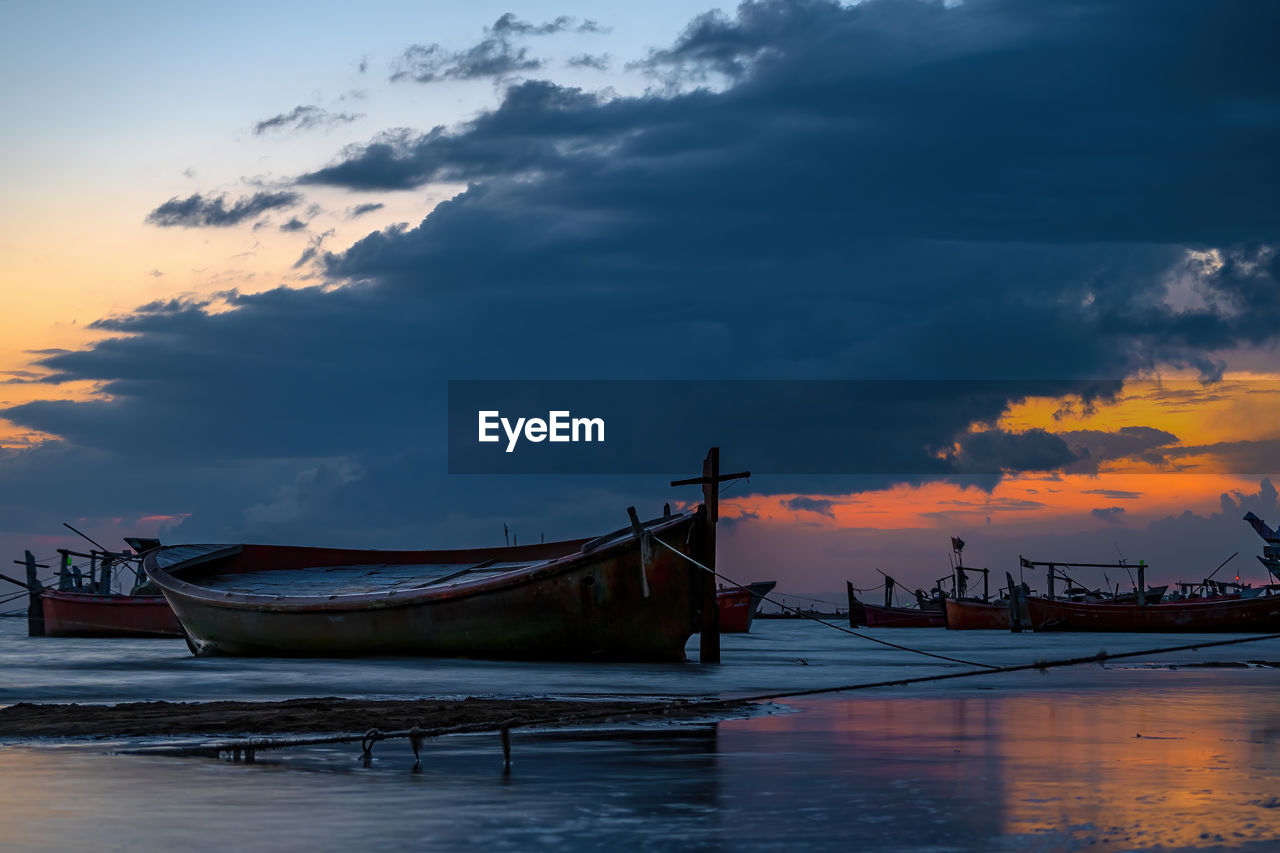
(709, 639)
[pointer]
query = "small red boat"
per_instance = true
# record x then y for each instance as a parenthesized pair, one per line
(966, 615)
(738, 605)
(81, 614)
(1207, 615)
(85, 604)
(903, 617)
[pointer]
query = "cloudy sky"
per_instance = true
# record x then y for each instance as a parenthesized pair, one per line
(245, 248)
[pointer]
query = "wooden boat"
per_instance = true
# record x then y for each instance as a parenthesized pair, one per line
(619, 597)
(84, 604)
(84, 614)
(878, 616)
(1244, 615)
(738, 605)
(966, 614)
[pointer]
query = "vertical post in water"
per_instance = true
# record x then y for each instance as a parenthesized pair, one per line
(35, 609)
(709, 641)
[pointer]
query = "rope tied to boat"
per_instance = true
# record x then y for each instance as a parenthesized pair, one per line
(841, 628)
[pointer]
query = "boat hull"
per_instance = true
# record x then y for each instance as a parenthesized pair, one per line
(613, 603)
(1203, 616)
(738, 606)
(78, 614)
(902, 617)
(976, 615)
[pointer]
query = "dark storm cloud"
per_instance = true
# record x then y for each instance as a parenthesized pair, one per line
(197, 210)
(303, 118)
(1144, 444)
(993, 450)
(892, 189)
(538, 127)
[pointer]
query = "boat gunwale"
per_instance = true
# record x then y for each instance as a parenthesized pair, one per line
(1224, 603)
(416, 596)
(116, 598)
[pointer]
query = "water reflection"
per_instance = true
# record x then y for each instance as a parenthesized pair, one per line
(1133, 769)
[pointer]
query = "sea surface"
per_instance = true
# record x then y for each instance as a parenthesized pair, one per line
(1159, 752)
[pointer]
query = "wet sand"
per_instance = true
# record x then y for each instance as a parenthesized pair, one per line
(319, 715)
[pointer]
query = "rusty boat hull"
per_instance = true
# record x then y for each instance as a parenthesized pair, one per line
(81, 614)
(1243, 615)
(976, 615)
(617, 597)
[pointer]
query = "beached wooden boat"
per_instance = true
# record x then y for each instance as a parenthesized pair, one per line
(738, 605)
(903, 617)
(84, 614)
(621, 597)
(968, 615)
(1245, 615)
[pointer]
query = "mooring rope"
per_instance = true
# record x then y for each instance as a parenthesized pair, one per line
(1042, 665)
(858, 634)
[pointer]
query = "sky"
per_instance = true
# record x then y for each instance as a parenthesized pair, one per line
(244, 249)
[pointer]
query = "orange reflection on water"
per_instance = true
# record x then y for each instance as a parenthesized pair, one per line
(1129, 768)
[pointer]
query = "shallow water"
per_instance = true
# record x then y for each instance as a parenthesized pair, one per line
(1011, 761)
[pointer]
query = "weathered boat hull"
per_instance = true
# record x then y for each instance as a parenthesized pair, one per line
(903, 617)
(738, 606)
(78, 614)
(616, 601)
(1205, 615)
(976, 615)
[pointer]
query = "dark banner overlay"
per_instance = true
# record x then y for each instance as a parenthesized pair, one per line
(897, 427)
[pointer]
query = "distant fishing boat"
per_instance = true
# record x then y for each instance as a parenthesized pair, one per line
(927, 613)
(84, 603)
(622, 596)
(738, 605)
(82, 614)
(1207, 615)
(1131, 613)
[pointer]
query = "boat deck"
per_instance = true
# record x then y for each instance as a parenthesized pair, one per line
(356, 579)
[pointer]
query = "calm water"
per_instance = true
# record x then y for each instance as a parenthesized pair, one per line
(1012, 762)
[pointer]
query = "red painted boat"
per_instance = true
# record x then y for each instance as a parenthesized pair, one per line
(1207, 615)
(82, 614)
(966, 615)
(621, 596)
(903, 617)
(738, 605)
